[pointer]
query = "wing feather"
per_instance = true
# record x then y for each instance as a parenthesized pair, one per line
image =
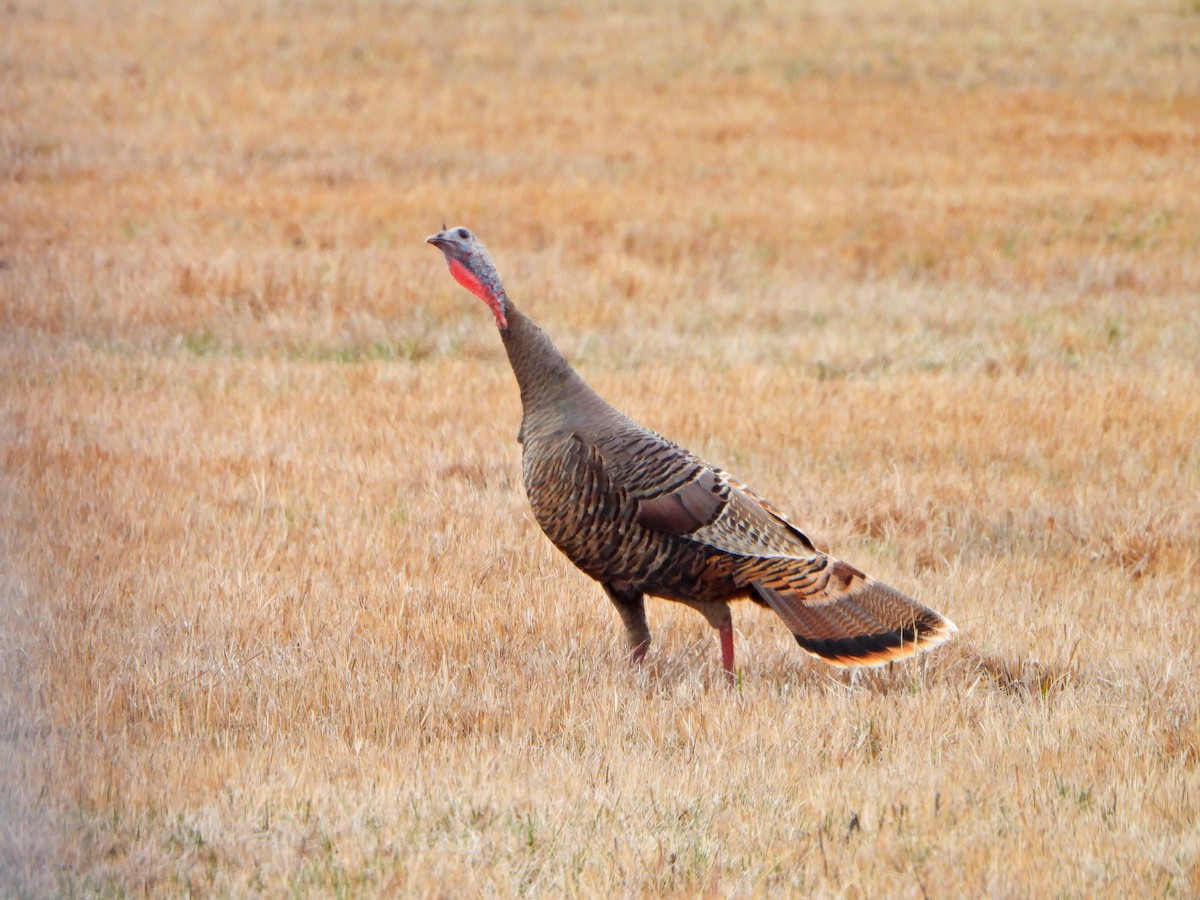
(679, 493)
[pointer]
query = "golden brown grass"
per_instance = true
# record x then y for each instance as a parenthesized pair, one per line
(274, 616)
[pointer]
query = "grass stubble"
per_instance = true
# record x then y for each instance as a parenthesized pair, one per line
(275, 614)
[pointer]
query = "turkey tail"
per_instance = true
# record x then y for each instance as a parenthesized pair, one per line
(850, 619)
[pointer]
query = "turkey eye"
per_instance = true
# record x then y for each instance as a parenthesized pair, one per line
(464, 234)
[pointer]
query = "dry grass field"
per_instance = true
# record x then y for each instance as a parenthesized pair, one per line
(274, 615)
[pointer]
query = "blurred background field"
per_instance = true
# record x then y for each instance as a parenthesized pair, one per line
(274, 615)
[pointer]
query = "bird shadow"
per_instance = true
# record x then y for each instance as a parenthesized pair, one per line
(960, 666)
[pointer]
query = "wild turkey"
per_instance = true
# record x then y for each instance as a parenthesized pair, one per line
(642, 515)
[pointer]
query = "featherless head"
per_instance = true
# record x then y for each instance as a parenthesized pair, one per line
(472, 267)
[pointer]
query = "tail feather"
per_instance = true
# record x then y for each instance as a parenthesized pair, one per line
(854, 621)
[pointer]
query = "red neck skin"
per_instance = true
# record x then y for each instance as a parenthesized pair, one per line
(467, 279)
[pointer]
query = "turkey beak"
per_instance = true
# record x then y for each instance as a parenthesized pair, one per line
(442, 243)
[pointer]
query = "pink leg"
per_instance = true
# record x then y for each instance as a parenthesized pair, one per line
(638, 654)
(725, 629)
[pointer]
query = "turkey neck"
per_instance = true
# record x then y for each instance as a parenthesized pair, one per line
(553, 395)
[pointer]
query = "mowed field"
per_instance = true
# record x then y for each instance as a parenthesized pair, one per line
(274, 614)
